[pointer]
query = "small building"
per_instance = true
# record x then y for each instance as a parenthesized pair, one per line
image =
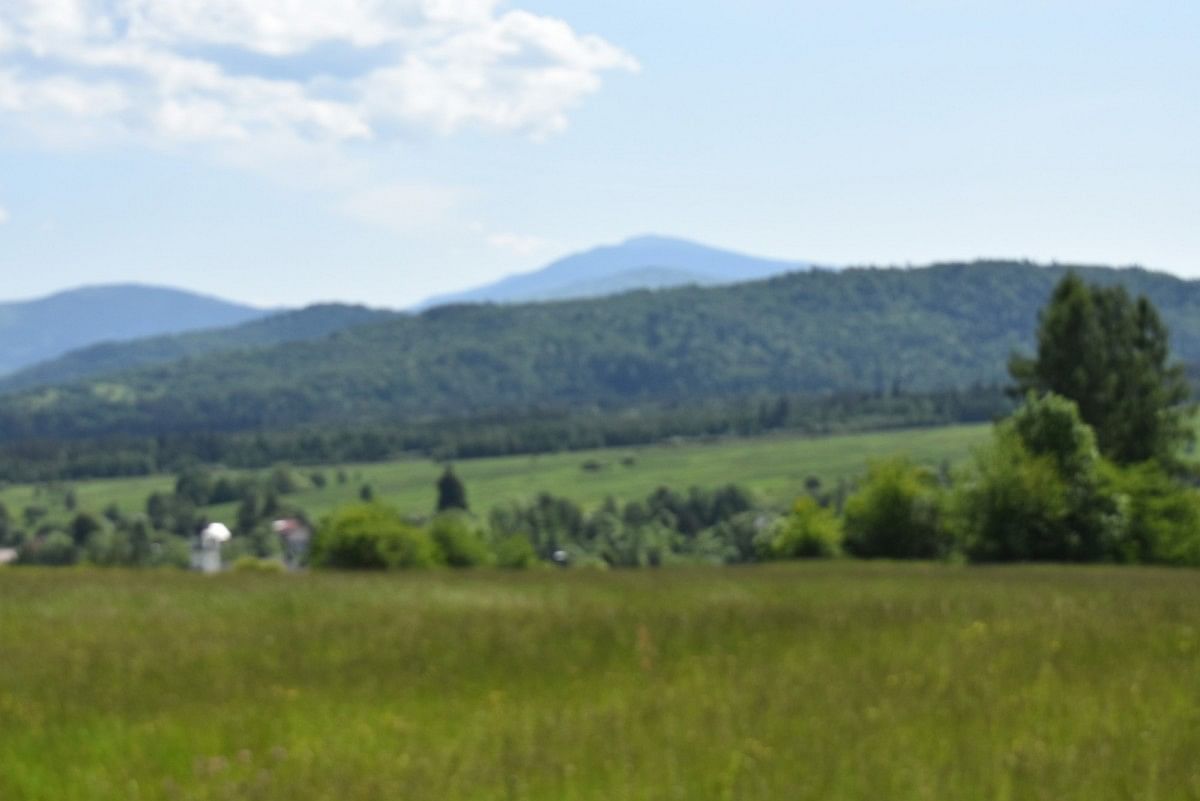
(295, 536)
(206, 550)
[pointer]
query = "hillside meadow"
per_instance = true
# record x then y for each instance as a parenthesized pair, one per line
(831, 681)
(775, 467)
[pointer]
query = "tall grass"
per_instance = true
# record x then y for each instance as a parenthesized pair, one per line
(834, 681)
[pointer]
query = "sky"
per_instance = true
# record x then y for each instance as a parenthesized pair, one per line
(281, 152)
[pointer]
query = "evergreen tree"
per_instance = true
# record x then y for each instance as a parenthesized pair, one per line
(1109, 354)
(83, 527)
(451, 492)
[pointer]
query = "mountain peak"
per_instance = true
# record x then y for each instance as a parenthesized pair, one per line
(646, 261)
(33, 331)
(642, 240)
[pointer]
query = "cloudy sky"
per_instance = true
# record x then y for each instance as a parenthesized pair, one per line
(285, 151)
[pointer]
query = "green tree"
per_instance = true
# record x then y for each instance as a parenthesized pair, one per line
(54, 549)
(1037, 492)
(1109, 354)
(515, 552)
(83, 527)
(896, 514)
(452, 494)
(1163, 517)
(195, 485)
(371, 536)
(810, 532)
(460, 542)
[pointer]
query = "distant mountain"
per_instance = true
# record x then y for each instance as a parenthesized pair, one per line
(36, 330)
(822, 332)
(306, 324)
(647, 262)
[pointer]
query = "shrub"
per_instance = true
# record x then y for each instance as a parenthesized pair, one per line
(515, 552)
(252, 564)
(109, 549)
(55, 549)
(371, 536)
(1011, 505)
(896, 514)
(460, 542)
(1162, 517)
(741, 535)
(809, 532)
(1037, 492)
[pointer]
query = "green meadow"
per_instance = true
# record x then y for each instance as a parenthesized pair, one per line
(826, 681)
(774, 467)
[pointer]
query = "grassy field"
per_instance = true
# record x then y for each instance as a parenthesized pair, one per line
(831, 681)
(775, 467)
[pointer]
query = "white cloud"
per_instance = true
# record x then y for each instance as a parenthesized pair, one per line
(3, 215)
(250, 70)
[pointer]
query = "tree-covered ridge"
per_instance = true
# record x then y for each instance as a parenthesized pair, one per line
(314, 322)
(878, 330)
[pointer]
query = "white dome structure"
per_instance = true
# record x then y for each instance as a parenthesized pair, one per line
(215, 533)
(206, 552)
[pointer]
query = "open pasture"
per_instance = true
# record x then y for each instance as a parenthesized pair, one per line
(776, 467)
(826, 681)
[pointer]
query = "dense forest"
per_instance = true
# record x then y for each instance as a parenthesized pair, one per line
(494, 435)
(314, 322)
(881, 332)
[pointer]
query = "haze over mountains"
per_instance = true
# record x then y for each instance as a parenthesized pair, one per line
(644, 262)
(36, 330)
(88, 331)
(314, 322)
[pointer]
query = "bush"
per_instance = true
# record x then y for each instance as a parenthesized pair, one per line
(1162, 517)
(896, 514)
(515, 552)
(252, 564)
(460, 542)
(1011, 505)
(55, 549)
(742, 534)
(171, 552)
(371, 536)
(1037, 492)
(109, 549)
(810, 532)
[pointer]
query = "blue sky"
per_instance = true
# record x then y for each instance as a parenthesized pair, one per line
(282, 153)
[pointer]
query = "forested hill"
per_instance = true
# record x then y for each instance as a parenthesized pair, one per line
(314, 322)
(946, 326)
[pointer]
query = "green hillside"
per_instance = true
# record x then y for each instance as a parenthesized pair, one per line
(820, 332)
(315, 322)
(775, 468)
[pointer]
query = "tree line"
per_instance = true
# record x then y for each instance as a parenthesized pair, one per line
(544, 430)
(1086, 469)
(821, 334)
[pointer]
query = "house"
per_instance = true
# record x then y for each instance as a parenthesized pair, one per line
(296, 537)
